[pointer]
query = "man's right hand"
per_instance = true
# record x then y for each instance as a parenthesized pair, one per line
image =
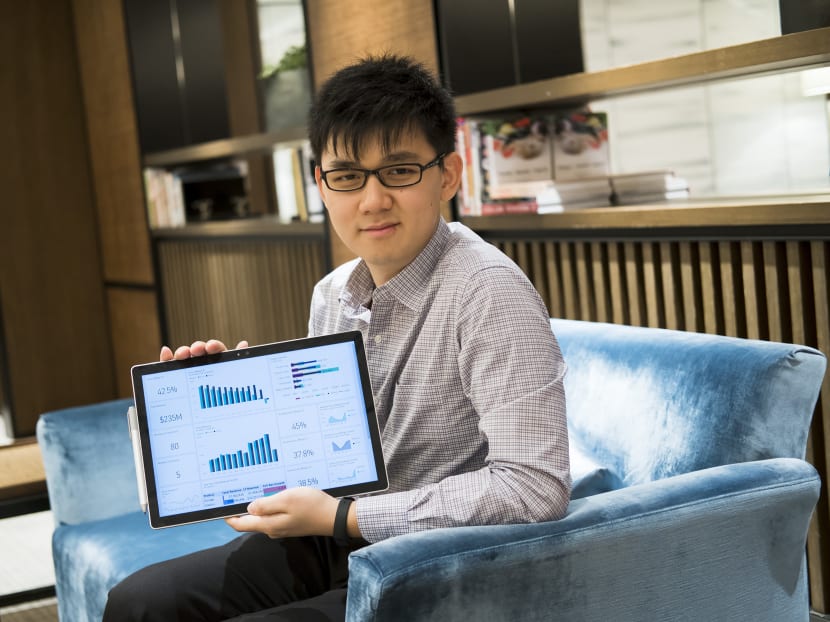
(198, 348)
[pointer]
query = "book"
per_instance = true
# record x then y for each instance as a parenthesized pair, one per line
(647, 187)
(580, 145)
(578, 194)
(518, 151)
(313, 199)
(164, 198)
(284, 181)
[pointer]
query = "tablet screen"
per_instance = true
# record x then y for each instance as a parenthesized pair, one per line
(219, 431)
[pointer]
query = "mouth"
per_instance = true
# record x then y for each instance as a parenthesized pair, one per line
(380, 228)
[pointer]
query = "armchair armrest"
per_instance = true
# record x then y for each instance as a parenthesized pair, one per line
(88, 459)
(722, 543)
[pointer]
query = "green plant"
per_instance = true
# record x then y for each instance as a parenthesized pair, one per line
(294, 58)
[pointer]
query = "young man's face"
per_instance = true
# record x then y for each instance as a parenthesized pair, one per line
(388, 227)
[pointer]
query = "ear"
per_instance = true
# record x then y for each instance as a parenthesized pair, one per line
(452, 171)
(321, 186)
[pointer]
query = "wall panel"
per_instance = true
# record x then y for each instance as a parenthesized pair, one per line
(253, 289)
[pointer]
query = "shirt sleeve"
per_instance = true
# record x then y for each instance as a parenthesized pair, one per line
(512, 371)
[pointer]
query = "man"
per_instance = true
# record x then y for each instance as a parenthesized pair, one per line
(466, 374)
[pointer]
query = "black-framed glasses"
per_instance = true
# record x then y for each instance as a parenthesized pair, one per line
(392, 176)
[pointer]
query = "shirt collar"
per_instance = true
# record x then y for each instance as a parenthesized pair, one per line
(408, 285)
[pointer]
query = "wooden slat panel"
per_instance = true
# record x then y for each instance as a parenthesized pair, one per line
(258, 291)
(537, 268)
(599, 265)
(774, 289)
(729, 292)
(569, 292)
(653, 294)
(521, 257)
(689, 280)
(554, 272)
(632, 285)
(751, 298)
(584, 283)
(615, 278)
(669, 273)
(708, 302)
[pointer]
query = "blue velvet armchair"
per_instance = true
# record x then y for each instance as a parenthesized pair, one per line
(691, 498)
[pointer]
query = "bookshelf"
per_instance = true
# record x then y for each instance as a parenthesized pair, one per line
(776, 212)
(250, 144)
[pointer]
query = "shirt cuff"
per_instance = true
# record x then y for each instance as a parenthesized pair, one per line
(384, 516)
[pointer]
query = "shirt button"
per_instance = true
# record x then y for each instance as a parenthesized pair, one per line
(378, 338)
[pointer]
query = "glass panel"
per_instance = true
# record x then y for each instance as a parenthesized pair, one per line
(285, 83)
(760, 135)
(624, 32)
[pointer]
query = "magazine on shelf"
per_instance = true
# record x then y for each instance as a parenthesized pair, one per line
(518, 151)
(580, 145)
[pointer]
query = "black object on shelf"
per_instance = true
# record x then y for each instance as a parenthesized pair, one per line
(799, 15)
(178, 72)
(214, 193)
(498, 43)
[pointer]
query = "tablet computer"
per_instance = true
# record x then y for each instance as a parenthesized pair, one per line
(213, 433)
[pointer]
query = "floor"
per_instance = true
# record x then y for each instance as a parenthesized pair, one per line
(36, 611)
(26, 543)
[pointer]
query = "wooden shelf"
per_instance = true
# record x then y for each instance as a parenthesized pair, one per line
(773, 211)
(230, 147)
(794, 51)
(265, 226)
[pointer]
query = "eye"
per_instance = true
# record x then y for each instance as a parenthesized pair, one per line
(343, 176)
(402, 170)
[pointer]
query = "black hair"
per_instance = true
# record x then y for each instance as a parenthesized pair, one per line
(385, 97)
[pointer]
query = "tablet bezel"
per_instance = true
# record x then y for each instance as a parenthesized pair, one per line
(139, 371)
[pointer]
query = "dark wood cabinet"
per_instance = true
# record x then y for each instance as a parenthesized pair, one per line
(499, 43)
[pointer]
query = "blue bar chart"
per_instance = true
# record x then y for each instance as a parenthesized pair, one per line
(258, 452)
(301, 371)
(213, 397)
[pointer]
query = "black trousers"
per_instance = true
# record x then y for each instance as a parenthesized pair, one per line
(251, 578)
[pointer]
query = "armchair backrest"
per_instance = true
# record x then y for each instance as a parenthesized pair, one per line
(88, 458)
(652, 403)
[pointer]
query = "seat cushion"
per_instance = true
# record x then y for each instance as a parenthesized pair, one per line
(588, 477)
(92, 557)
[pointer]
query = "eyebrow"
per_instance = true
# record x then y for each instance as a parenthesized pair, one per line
(392, 158)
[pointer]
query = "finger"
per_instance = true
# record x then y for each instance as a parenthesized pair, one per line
(197, 348)
(166, 354)
(242, 344)
(214, 345)
(248, 523)
(182, 352)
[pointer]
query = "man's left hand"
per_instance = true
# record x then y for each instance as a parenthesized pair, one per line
(290, 513)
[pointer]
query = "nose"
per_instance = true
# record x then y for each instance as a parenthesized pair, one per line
(375, 196)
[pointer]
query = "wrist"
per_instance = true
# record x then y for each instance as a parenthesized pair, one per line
(341, 521)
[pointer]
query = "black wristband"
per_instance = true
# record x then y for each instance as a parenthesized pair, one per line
(341, 528)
